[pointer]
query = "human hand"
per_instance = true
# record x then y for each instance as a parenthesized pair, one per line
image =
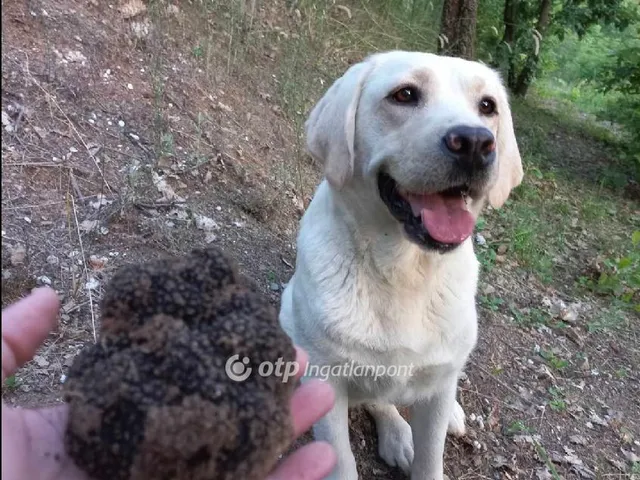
(32, 439)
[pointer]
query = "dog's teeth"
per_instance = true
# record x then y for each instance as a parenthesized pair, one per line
(465, 195)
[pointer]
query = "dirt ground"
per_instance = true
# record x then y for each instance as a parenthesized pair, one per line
(128, 135)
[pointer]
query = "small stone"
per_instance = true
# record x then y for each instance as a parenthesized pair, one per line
(274, 287)
(120, 123)
(500, 258)
(569, 314)
(489, 290)
(41, 361)
(52, 260)
(210, 237)
(130, 86)
(44, 280)
(502, 249)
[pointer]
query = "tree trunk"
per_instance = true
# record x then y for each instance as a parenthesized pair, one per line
(458, 24)
(531, 65)
(509, 18)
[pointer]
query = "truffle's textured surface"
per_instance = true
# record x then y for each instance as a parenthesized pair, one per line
(152, 400)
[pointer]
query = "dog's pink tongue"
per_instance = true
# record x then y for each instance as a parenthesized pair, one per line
(445, 218)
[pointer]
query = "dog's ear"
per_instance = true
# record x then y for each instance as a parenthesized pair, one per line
(510, 171)
(330, 128)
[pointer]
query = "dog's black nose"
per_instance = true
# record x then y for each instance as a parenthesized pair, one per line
(473, 147)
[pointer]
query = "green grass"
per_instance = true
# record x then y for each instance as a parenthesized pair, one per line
(557, 402)
(490, 302)
(517, 427)
(11, 383)
(553, 360)
(556, 215)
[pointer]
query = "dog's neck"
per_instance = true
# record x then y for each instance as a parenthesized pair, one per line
(377, 238)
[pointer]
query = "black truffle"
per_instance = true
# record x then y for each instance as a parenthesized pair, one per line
(152, 399)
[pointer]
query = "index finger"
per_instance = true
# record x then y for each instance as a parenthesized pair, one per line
(25, 325)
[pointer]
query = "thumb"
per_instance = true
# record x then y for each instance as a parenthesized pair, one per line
(25, 325)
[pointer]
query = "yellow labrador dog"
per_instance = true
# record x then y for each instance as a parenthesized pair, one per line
(413, 146)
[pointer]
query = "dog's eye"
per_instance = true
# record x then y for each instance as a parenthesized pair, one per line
(405, 95)
(487, 106)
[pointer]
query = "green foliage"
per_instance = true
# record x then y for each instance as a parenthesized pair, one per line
(490, 302)
(571, 20)
(579, 16)
(620, 276)
(11, 383)
(518, 426)
(557, 402)
(621, 76)
(553, 360)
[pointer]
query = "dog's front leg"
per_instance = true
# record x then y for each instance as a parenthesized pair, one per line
(334, 428)
(429, 421)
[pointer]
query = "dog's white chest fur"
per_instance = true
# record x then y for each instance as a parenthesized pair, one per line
(375, 303)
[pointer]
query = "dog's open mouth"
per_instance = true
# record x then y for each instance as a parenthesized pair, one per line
(438, 220)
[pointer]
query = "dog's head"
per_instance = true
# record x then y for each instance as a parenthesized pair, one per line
(432, 134)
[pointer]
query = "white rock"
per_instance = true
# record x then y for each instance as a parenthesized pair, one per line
(480, 240)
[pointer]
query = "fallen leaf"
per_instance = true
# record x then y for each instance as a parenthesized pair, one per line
(97, 263)
(597, 420)
(630, 456)
(578, 439)
(6, 122)
(132, 8)
(165, 189)
(205, 223)
(530, 439)
(92, 284)
(88, 225)
(619, 464)
(543, 473)
(178, 213)
(41, 361)
(93, 149)
(75, 57)
(18, 254)
(99, 201)
(226, 108)
(583, 471)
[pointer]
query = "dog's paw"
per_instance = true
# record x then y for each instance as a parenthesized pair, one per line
(457, 427)
(395, 443)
